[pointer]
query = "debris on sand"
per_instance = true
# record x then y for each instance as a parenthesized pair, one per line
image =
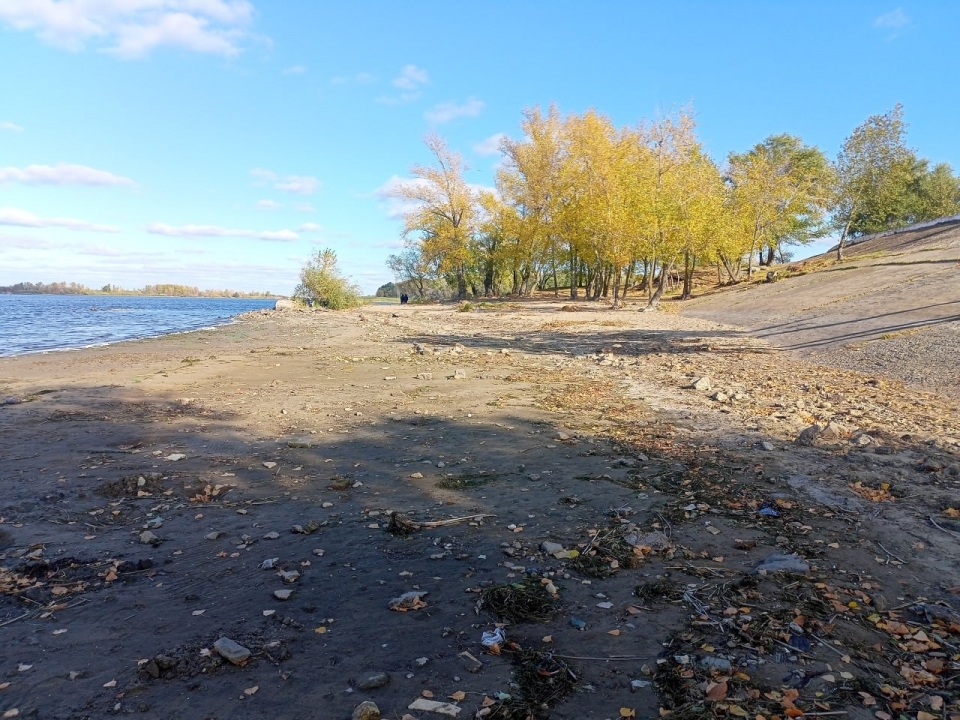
(783, 563)
(367, 710)
(433, 706)
(412, 600)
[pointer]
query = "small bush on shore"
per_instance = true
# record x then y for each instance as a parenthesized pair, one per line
(321, 281)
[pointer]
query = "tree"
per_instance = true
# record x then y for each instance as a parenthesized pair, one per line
(444, 212)
(873, 174)
(321, 281)
(781, 189)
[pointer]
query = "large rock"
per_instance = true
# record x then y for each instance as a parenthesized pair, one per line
(833, 432)
(372, 682)
(285, 305)
(702, 384)
(232, 650)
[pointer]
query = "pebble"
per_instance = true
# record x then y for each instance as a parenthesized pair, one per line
(271, 536)
(148, 538)
(372, 682)
(282, 594)
(703, 383)
(269, 465)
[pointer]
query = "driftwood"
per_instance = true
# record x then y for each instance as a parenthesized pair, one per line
(400, 524)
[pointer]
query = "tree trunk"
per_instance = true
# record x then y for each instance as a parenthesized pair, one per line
(661, 286)
(771, 250)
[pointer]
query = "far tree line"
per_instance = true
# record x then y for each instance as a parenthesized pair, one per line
(164, 289)
(582, 204)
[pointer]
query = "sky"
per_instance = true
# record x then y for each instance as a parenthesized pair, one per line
(221, 143)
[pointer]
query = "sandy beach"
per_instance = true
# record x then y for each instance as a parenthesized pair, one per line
(158, 495)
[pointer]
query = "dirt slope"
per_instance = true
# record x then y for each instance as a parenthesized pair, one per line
(892, 307)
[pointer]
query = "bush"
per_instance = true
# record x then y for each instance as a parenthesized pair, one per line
(322, 282)
(465, 306)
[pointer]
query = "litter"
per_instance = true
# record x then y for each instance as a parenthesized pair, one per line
(493, 639)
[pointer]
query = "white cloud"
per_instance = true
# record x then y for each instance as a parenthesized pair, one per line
(268, 205)
(400, 99)
(490, 146)
(10, 127)
(61, 174)
(304, 207)
(132, 28)
(309, 227)
(22, 218)
(295, 70)
(296, 184)
(893, 20)
(411, 77)
(216, 231)
(447, 111)
(364, 78)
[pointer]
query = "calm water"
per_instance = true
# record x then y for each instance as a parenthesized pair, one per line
(32, 323)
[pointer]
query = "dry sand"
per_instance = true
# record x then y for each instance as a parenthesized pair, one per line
(571, 426)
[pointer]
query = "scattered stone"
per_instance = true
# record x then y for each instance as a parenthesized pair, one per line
(578, 624)
(232, 651)
(562, 436)
(808, 436)
(862, 440)
(703, 383)
(832, 432)
(269, 465)
(269, 563)
(424, 376)
(289, 576)
(421, 661)
(768, 446)
(470, 663)
(148, 538)
(459, 374)
(718, 664)
(271, 535)
(300, 443)
(372, 682)
(215, 535)
(783, 563)
(720, 397)
(551, 548)
(432, 706)
(12, 401)
(318, 552)
(282, 594)
(367, 710)
(173, 457)
(416, 475)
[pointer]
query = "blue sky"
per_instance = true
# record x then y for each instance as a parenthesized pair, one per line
(219, 143)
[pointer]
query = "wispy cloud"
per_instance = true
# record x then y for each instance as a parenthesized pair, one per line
(447, 111)
(391, 195)
(410, 78)
(268, 205)
(892, 23)
(309, 227)
(23, 218)
(133, 28)
(61, 174)
(295, 70)
(10, 127)
(296, 184)
(490, 146)
(215, 231)
(893, 20)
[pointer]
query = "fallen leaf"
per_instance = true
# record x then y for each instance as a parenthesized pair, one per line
(923, 715)
(548, 638)
(634, 610)
(251, 690)
(717, 691)
(11, 713)
(321, 630)
(427, 694)
(613, 632)
(737, 711)
(458, 695)
(793, 712)
(487, 702)
(628, 713)
(4, 686)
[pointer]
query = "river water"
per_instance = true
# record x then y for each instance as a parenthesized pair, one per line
(36, 323)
